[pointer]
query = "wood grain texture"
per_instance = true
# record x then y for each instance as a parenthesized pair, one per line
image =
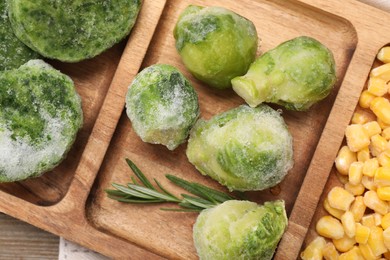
(74, 204)
(19, 240)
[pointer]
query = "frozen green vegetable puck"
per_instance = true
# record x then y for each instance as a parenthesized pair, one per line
(162, 105)
(243, 148)
(240, 230)
(13, 53)
(72, 30)
(40, 115)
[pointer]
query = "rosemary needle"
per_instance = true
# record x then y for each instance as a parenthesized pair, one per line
(143, 191)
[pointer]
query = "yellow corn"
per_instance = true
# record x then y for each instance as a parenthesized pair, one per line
(368, 183)
(382, 124)
(365, 99)
(330, 227)
(386, 238)
(378, 144)
(353, 254)
(372, 128)
(377, 86)
(381, 108)
(329, 252)
(344, 159)
(384, 54)
(384, 158)
(358, 208)
(372, 201)
(332, 211)
(382, 72)
(359, 118)
(366, 252)
(386, 133)
(378, 219)
(382, 176)
(375, 241)
(339, 198)
(362, 233)
(357, 138)
(370, 167)
(385, 221)
(344, 244)
(355, 172)
(368, 220)
(314, 250)
(355, 190)
(348, 222)
(363, 155)
(384, 193)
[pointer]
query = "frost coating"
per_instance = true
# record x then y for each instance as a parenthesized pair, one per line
(243, 148)
(72, 30)
(40, 114)
(296, 74)
(162, 105)
(215, 44)
(240, 230)
(13, 53)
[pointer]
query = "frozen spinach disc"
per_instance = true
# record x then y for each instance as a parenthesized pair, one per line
(40, 115)
(72, 30)
(13, 53)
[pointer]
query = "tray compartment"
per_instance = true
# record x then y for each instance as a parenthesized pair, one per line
(168, 233)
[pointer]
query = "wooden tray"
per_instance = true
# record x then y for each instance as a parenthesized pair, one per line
(70, 201)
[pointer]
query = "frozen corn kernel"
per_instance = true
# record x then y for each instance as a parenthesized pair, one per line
(384, 54)
(363, 155)
(357, 137)
(329, 252)
(382, 176)
(386, 238)
(314, 250)
(355, 190)
(359, 118)
(382, 124)
(358, 208)
(384, 193)
(367, 252)
(375, 241)
(381, 108)
(378, 145)
(384, 158)
(370, 167)
(368, 220)
(372, 128)
(377, 86)
(332, 211)
(365, 99)
(372, 201)
(344, 244)
(339, 198)
(382, 72)
(330, 227)
(378, 219)
(368, 183)
(348, 222)
(355, 173)
(362, 233)
(386, 133)
(385, 221)
(353, 254)
(344, 159)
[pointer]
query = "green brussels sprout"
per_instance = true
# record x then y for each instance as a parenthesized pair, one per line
(240, 230)
(244, 148)
(296, 74)
(162, 105)
(215, 44)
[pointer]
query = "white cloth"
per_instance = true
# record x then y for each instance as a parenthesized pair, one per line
(71, 251)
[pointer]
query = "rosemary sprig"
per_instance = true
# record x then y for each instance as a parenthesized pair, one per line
(136, 192)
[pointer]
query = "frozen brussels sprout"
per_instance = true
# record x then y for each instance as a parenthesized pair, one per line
(296, 74)
(244, 148)
(162, 105)
(215, 44)
(240, 230)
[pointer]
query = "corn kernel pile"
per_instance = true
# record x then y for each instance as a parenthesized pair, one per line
(358, 226)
